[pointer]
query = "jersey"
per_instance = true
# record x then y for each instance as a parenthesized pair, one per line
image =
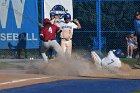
(67, 29)
(137, 27)
(49, 32)
(111, 60)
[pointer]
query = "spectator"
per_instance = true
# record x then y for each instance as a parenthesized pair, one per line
(131, 45)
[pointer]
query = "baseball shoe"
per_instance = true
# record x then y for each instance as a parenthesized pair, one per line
(52, 57)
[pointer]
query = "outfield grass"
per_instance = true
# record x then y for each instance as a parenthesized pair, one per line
(5, 65)
(137, 91)
(129, 61)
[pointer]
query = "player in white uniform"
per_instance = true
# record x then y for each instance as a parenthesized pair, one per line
(55, 20)
(112, 60)
(67, 32)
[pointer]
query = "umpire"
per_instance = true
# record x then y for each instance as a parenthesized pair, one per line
(137, 32)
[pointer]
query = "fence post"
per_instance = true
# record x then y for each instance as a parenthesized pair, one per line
(98, 23)
(42, 11)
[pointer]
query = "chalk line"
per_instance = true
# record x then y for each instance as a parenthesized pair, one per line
(22, 80)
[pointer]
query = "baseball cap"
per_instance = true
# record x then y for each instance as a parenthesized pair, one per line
(46, 20)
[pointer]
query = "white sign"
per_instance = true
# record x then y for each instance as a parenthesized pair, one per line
(18, 8)
(59, 7)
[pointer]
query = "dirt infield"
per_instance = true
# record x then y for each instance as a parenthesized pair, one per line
(27, 72)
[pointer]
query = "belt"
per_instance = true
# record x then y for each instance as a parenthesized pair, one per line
(66, 39)
(48, 40)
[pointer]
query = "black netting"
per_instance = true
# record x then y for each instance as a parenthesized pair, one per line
(116, 23)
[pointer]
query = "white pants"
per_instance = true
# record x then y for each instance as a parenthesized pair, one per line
(110, 61)
(66, 46)
(51, 43)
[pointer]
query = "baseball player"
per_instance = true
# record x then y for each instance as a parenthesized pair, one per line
(67, 32)
(52, 17)
(48, 35)
(55, 19)
(51, 52)
(111, 60)
(137, 32)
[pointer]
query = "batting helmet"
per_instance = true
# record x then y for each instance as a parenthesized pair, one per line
(46, 20)
(117, 52)
(52, 14)
(67, 16)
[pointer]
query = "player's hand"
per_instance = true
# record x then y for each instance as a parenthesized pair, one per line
(57, 18)
(40, 25)
(76, 21)
(41, 37)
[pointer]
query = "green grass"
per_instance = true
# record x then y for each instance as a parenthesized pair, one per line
(129, 61)
(5, 65)
(137, 91)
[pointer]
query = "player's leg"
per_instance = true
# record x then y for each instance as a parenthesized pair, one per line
(69, 48)
(138, 61)
(63, 45)
(51, 53)
(96, 59)
(44, 48)
(57, 47)
(137, 65)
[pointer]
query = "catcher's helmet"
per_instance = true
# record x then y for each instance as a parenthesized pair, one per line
(46, 20)
(117, 52)
(67, 16)
(52, 14)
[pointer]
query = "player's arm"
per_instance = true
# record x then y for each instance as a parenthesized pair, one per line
(77, 23)
(41, 35)
(58, 30)
(40, 25)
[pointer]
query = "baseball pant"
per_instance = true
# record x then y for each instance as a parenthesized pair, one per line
(66, 47)
(47, 45)
(97, 60)
(138, 40)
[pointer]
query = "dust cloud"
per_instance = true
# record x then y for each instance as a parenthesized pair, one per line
(77, 65)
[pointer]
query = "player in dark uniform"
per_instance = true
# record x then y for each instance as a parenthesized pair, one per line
(137, 32)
